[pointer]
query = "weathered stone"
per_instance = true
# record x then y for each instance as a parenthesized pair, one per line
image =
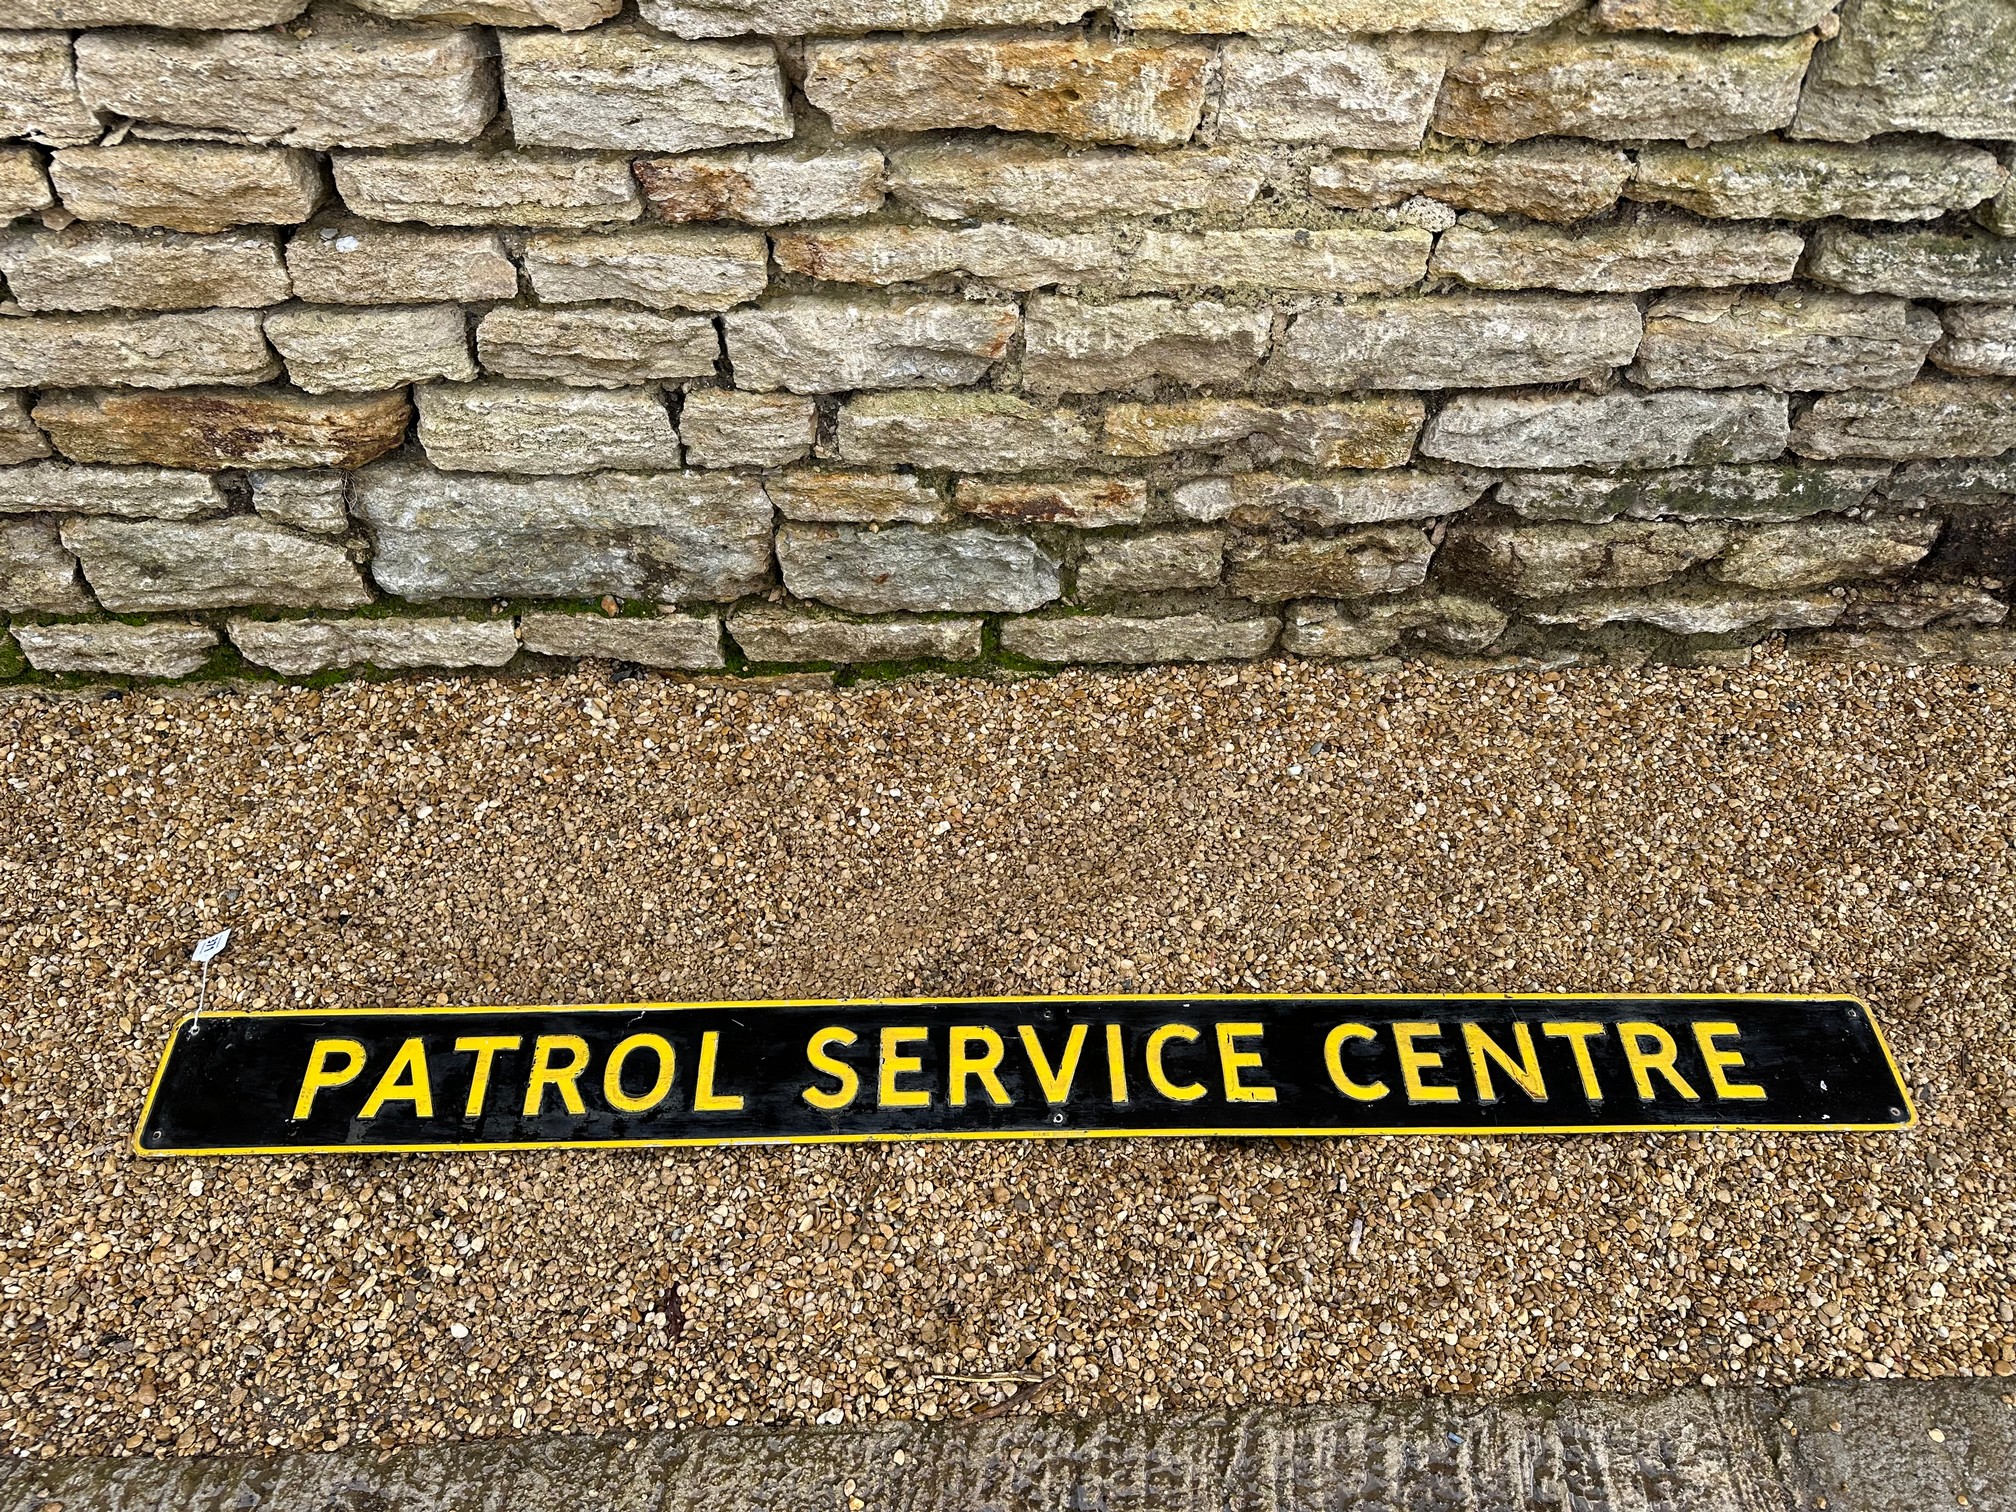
(1971, 265)
(1999, 214)
(357, 350)
(1150, 561)
(20, 441)
(299, 648)
(970, 430)
(24, 187)
(164, 649)
(1694, 609)
(1912, 648)
(142, 351)
(1353, 260)
(1456, 341)
(1980, 341)
(337, 79)
(1072, 347)
(1920, 606)
(144, 566)
(771, 634)
(1260, 17)
(596, 346)
(464, 187)
(1350, 92)
(1370, 431)
(1914, 65)
(568, 15)
(1548, 561)
(908, 568)
(137, 493)
(1826, 549)
(805, 18)
(1751, 491)
(1648, 252)
(312, 501)
(730, 428)
(87, 267)
(504, 426)
(1965, 479)
(1444, 621)
(1381, 559)
(1328, 500)
(1087, 503)
(187, 186)
(1934, 417)
(359, 263)
(1729, 18)
(1792, 339)
(1765, 177)
(1621, 87)
(1034, 181)
(830, 496)
(1623, 428)
(213, 428)
(665, 267)
(37, 576)
(1013, 257)
(628, 88)
(672, 537)
(1080, 88)
(1543, 180)
(767, 187)
(208, 15)
(687, 641)
(815, 344)
(1135, 639)
(38, 90)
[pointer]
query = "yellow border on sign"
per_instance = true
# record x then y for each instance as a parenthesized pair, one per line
(1909, 1120)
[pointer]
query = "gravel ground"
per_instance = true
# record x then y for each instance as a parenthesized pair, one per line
(1781, 827)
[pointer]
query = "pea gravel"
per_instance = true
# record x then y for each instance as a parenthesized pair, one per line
(1783, 826)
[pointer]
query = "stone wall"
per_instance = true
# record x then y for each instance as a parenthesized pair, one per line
(762, 332)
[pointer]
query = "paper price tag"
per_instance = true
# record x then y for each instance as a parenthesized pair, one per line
(210, 947)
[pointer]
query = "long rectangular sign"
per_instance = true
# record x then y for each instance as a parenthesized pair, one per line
(731, 1073)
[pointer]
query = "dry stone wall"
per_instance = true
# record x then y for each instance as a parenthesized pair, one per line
(712, 333)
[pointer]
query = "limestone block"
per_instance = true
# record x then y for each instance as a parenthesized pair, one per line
(1547, 180)
(568, 15)
(1621, 87)
(1648, 252)
(1980, 341)
(1327, 500)
(730, 428)
(1956, 481)
(914, 569)
(1444, 621)
(832, 496)
(764, 186)
(85, 267)
(1919, 606)
(20, 441)
(1137, 639)
(299, 648)
(337, 79)
(145, 566)
(504, 426)
(208, 15)
(1149, 561)
(1456, 341)
(1793, 339)
(187, 186)
(130, 492)
(1086, 503)
(1768, 178)
(1547, 561)
(1072, 86)
(805, 18)
(211, 428)
(1073, 347)
(460, 186)
(1349, 92)
(313, 501)
(628, 88)
(673, 537)
(1261, 17)
(37, 576)
(38, 90)
(1624, 428)
(1746, 491)
(963, 430)
(1352, 260)
(1728, 18)
(1369, 431)
(165, 648)
(1934, 417)
(665, 267)
(771, 634)
(359, 263)
(1970, 265)
(355, 349)
(140, 351)
(1013, 257)
(24, 187)
(1914, 65)
(977, 177)
(815, 344)
(1694, 609)
(688, 641)
(1379, 559)
(1999, 214)
(596, 346)
(1826, 549)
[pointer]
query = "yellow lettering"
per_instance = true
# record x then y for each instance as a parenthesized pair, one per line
(1057, 1084)
(985, 1066)
(612, 1074)
(826, 1065)
(895, 1064)
(1234, 1060)
(484, 1047)
(1721, 1061)
(562, 1078)
(405, 1080)
(1525, 1071)
(321, 1075)
(1644, 1062)
(1413, 1062)
(1159, 1078)
(1578, 1036)
(1333, 1057)
(705, 1098)
(1116, 1065)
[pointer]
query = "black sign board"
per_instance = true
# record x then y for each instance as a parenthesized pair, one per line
(732, 1073)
